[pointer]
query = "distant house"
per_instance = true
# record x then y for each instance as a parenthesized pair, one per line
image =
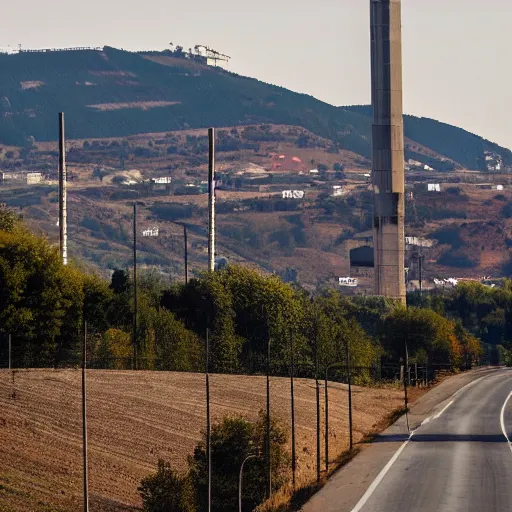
(30, 178)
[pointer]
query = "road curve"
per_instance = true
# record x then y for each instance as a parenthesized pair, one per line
(458, 460)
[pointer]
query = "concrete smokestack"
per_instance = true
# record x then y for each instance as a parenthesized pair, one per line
(388, 148)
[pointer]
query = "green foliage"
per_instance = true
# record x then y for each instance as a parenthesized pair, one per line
(8, 219)
(232, 441)
(424, 332)
(40, 300)
(167, 491)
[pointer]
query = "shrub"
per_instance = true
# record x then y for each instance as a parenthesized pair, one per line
(166, 491)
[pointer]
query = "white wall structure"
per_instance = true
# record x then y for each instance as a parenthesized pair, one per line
(150, 232)
(293, 194)
(434, 187)
(347, 281)
(162, 181)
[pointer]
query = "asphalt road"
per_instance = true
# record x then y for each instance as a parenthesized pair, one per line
(458, 460)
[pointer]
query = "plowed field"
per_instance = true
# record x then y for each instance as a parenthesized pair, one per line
(134, 418)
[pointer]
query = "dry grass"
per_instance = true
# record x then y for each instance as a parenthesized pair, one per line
(143, 105)
(134, 418)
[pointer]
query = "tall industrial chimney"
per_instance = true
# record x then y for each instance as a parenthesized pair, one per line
(388, 148)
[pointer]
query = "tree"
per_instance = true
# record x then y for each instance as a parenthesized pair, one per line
(167, 491)
(8, 219)
(40, 299)
(232, 441)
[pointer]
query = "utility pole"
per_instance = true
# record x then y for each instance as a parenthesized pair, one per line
(134, 335)
(292, 370)
(208, 424)
(186, 252)
(421, 272)
(10, 348)
(406, 366)
(268, 447)
(84, 421)
(63, 211)
(349, 380)
(318, 447)
(211, 199)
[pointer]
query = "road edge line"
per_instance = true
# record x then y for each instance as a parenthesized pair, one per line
(366, 496)
(368, 493)
(502, 420)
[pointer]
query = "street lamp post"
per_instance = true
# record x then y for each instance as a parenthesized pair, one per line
(240, 481)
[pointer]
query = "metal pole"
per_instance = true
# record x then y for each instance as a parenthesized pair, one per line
(421, 273)
(347, 352)
(406, 361)
(10, 348)
(208, 424)
(240, 481)
(269, 466)
(134, 286)
(63, 213)
(84, 421)
(186, 252)
(211, 199)
(318, 447)
(326, 423)
(292, 370)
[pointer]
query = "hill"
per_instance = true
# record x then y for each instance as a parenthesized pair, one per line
(115, 93)
(136, 417)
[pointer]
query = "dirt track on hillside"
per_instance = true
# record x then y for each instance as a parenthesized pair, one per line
(134, 418)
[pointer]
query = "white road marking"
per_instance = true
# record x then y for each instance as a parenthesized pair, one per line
(502, 421)
(366, 496)
(444, 409)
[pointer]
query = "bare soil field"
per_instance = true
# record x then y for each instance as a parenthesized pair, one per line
(134, 418)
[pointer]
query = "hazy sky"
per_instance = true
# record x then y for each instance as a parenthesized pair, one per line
(457, 59)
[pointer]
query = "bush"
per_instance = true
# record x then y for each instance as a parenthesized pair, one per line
(232, 440)
(166, 491)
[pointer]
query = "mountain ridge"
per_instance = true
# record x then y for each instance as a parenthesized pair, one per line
(107, 94)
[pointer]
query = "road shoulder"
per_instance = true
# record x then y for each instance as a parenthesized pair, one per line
(346, 487)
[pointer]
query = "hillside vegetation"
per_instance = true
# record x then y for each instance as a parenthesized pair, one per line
(116, 93)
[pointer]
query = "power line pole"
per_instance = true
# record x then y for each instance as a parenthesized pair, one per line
(208, 424)
(134, 335)
(292, 370)
(318, 447)
(84, 421)
(10, 348)
(63, 212)
(349, 380)
(186, 252)
(269, 465)
(211, 199)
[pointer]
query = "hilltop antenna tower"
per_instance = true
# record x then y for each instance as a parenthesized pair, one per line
(212, 54)
(388, 172)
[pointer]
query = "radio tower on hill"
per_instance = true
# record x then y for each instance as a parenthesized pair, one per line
(388, 148)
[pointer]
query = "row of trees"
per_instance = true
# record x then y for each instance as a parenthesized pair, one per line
(44, 305)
